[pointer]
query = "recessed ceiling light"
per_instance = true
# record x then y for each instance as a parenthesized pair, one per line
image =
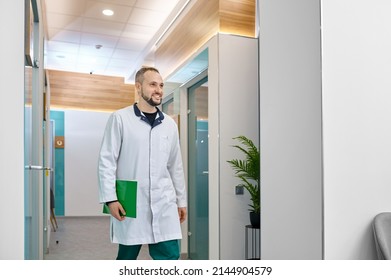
(108, 12)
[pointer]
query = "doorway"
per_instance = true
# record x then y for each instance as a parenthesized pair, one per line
(198, 171)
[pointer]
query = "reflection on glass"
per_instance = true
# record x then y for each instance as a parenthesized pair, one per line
(168, 107)
(28, 225)
(198, 221)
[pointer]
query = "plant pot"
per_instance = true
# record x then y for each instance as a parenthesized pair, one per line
(255, 219)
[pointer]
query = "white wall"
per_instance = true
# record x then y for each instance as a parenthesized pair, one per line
(83, 136)
(238, 110)
(213, 150)
(12, 130)
(290, 124)
(356, 37)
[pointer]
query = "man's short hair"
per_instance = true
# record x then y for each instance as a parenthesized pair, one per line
(140, 73)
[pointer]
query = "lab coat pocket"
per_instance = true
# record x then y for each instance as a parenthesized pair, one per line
(164, 144)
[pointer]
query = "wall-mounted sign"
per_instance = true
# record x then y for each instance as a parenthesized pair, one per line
(59, 142)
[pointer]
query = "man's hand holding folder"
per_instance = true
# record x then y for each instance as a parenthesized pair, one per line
(117, 211)
(127, 200)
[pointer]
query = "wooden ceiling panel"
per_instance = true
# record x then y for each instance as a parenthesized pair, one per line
(237, 17)
(204, 20)
(199, 24)
(79, 91)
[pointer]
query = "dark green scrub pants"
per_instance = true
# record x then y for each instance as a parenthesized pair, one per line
(166, 250)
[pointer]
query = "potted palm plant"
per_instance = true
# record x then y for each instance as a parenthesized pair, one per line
(248, 171)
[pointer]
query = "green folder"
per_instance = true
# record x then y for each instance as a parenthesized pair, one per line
(127, 196)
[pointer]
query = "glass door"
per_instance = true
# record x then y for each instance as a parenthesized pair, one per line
(30, 223)
(33, 134)
(198, 188)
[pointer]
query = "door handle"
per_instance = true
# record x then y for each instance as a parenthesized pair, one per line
(37, 167)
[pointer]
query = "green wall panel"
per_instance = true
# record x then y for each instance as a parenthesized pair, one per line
(59, 168)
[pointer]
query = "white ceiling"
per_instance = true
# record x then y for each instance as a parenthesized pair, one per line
(76, 27)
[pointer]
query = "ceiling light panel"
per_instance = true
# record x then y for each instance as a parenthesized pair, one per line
(108, 12)
(94, 10)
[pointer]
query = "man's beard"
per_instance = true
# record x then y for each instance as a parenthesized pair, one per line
(149, 100)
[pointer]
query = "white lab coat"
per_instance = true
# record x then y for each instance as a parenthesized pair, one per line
(133, 150)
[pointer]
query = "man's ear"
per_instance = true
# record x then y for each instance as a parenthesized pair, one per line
(138, 87)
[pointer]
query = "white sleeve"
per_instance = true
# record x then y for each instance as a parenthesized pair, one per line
(107, 161)
(175, 168)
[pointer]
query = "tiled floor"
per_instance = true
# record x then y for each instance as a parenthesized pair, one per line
(84, 238)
